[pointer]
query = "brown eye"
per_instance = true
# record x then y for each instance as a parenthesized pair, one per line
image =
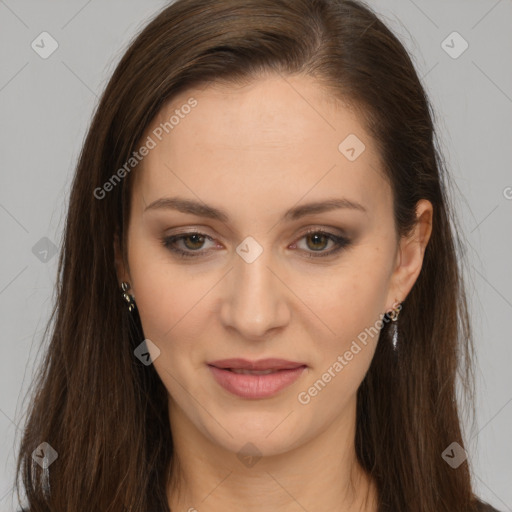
(317, 241)
(197, 241)
(192, 242)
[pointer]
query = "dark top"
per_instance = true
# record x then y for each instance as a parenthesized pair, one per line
(485, 507)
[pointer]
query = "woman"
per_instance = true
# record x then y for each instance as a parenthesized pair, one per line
(260, 304)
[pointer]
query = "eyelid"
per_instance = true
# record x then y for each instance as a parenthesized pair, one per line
(311, 229)
(325, 229)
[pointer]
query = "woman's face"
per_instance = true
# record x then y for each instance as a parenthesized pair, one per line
(252, 283)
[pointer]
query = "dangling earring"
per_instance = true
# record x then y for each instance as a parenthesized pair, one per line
(45, 477)
(46, 482)
(393, 316)
(128, 298)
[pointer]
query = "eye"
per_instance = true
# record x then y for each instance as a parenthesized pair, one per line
(318, 239)
(192, 244)
(192, 241)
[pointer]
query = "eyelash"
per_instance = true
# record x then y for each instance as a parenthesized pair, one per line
(340, 243)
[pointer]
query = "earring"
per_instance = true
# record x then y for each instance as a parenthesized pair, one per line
(45, 477)
(128, 298)
(46, 482)
(393, 316)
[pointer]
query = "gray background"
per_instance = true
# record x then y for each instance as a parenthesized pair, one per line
(45, 108)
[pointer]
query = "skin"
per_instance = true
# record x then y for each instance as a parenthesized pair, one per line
(255, 151)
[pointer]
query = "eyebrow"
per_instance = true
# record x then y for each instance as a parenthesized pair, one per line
(203, 210)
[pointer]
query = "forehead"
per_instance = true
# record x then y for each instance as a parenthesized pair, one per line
(275, 140)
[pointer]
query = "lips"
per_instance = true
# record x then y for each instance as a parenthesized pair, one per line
(251, 372)
(271, 364)
(255, 379)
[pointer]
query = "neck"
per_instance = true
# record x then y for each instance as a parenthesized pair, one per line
(320, 474)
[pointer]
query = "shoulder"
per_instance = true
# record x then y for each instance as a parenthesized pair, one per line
(485, 507)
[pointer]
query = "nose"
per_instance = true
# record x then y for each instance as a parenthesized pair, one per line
(255, 298)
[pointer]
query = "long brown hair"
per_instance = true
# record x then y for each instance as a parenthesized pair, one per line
(103, 411)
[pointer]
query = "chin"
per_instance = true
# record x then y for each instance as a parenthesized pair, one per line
(258, 433)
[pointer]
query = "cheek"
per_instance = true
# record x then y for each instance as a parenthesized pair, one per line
(161, 298)
(350, 305)
(170, 312)
(352, 296)
(344, 352)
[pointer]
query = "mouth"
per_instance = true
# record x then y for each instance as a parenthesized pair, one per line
(252, 372)
(256, 379)
(262, 365)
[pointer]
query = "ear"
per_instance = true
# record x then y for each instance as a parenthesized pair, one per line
(121, 270)
(410, 254)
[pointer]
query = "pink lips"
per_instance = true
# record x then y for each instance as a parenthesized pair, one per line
(253, 384)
